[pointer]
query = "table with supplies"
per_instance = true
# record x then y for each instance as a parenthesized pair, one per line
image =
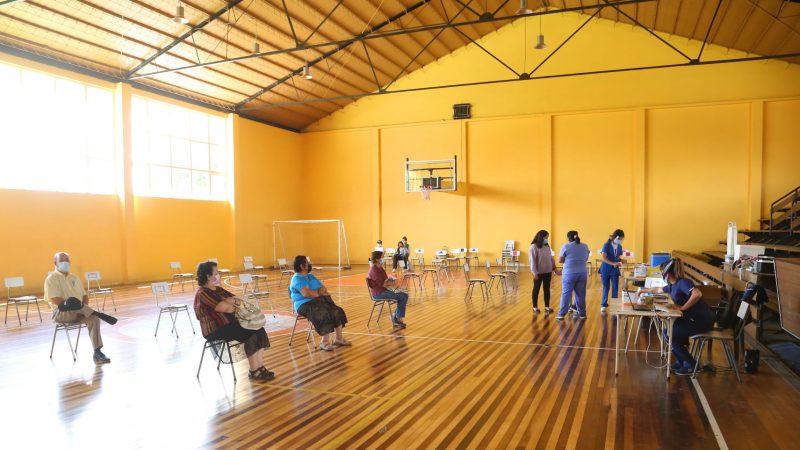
(663, 314)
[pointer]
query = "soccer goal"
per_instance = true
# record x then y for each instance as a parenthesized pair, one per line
(324, 241)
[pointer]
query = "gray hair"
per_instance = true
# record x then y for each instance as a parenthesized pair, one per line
(55, 257)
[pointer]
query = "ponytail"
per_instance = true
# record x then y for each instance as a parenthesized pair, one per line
(572, 236)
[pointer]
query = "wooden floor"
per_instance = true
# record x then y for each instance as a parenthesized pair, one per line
(473, 375)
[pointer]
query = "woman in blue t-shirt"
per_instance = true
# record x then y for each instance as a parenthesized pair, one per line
(609, 268)
(697, 316)
(312, 301)
(573, 256)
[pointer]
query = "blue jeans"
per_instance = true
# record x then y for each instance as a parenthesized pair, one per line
(573, 282)
(611, 281)
(400, 297)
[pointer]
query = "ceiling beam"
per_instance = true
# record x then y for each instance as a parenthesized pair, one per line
(369, 36)
(184, 36)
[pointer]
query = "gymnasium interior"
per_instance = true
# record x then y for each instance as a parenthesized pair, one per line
(144, 139)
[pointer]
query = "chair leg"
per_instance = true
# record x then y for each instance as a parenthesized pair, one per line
(173, 315)
(18, 318)
(113, 303)
(484, 294)
(291, 336)
(731, 360)
(7, 303)
(69, 340)
(466, 294)
(202, 355)
(697, 360)
(190, 319)
(230, 358)
(52, 345)
(27, 308)
(158, 322)
(310, 333)
(38, 310)
(380, 311)
(374, 304)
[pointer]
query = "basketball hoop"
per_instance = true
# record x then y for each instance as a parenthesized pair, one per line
(426, 192)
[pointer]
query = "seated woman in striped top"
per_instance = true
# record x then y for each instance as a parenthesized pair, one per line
(215, 308)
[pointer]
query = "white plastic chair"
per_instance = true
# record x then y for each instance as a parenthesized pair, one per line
(253, 267)
(98, 290)
(19, 283)
(177, 275)
(473, 255)
(285, 270)
(471, 283)
(161, 294)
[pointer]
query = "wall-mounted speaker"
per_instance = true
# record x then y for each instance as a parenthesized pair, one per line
(461, 111)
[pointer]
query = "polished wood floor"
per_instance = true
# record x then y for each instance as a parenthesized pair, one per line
(474, 375)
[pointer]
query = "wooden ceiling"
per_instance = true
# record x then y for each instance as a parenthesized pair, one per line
(116, 37)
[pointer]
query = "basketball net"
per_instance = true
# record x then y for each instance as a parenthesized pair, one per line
(426, 192)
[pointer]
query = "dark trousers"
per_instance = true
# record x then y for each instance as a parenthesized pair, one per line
(682, 330)
(542, 278)
(396, 258)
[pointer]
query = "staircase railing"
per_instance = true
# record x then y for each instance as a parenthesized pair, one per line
(791, 198)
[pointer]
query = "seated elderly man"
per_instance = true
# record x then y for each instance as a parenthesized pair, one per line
(64, 291)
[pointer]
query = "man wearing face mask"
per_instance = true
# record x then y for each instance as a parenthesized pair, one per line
(610, 267)
(64, 291)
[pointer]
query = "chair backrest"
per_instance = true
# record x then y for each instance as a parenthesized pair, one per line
(508, 245)
(175, 265)
(92, 276)
(441, 253)
(744, 316)
(160, 292)
(282, 263)
(369, 288)
(248, 259)
(14, 282)
(248, 265)
(245, 278)
(474, 250)
(389, 251)
(420, 251)
(466, 272)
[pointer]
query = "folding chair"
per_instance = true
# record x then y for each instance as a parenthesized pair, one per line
(511, 267)
(388, 256)
(499, 278)
(253, 268)
(471, 283)
(454, 258)
(256, 278)
(419, 259)
(67, 327)
(376, 302)
(413, 277)
(298, 316)
(177, 275)
(441, 263)
(19, 283)
(99, 290)
(219, 349)
(726, 336)
(285, 270)
(250, 289)
(224, 274)
(161, 293)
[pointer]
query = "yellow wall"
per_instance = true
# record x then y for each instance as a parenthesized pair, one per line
(781, 149)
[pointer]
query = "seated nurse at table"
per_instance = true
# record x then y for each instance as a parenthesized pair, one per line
(609, 268)
(697, 316)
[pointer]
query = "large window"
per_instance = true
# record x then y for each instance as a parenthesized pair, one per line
(178, 152)
(55, 134)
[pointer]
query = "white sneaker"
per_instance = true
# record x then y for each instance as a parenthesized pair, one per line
(603, 309)
(548, 311)
(536, 310)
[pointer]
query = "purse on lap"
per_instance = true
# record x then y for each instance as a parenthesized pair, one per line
(250, 316)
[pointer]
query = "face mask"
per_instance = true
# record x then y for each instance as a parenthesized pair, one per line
(217, 279)
(63, 266)
(546, 241)
(309, 268)
(617, 241)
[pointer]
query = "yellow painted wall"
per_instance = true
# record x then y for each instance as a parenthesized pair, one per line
(267, 176)
(696, 175)
(781, 149)
(593, 178)
(34, 225)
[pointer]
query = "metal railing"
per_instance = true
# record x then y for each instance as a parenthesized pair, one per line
(790, 198)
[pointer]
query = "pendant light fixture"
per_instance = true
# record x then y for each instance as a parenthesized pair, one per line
(256, 45)
(180, 17)
(540, 45)
(523, 8)
(307, 73)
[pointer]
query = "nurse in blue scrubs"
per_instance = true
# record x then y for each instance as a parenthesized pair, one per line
(697, 316)
(610, 267)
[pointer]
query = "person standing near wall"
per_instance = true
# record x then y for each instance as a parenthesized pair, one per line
(610, 267)
(542, 263)
(573, 257)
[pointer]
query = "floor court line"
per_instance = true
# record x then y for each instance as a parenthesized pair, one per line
(710, 415)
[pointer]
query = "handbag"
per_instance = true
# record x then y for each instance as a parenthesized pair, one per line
(250, 316)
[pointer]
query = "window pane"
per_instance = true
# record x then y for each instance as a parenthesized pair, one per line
(199, 126)
(141, 179)
(218, 158)
(160, 180)
(218, 187)
(217, 129)
(200, 184)
(180, 153)
(160, 151)
(199, 156)
(181, 181)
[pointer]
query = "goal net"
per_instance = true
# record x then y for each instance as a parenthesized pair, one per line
(324, 241)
